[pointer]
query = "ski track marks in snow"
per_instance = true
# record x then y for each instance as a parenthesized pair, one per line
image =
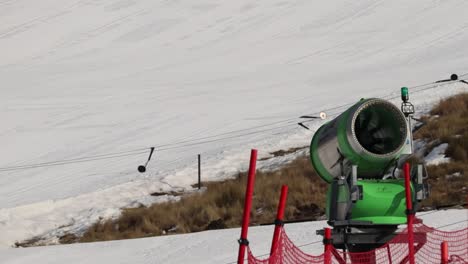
(86, 78)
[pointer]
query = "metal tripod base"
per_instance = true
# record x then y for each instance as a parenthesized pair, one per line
(362, 238)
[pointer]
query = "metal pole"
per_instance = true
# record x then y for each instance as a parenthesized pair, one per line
(409, 212)
(243, 242)
(199, 171)
(279, 217)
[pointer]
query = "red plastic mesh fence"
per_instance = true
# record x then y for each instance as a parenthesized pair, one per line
(427, 243)
(286, 253)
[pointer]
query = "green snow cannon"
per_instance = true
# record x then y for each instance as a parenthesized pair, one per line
(355, 153)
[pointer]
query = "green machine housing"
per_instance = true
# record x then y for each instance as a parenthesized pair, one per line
(357, 153)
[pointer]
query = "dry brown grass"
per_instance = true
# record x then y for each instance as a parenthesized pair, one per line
(448, 123)
(447, 189)
(220, 206)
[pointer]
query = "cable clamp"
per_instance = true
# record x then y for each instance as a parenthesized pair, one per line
(243, 241)
(279, 222)
(327, 241)
(410, 212)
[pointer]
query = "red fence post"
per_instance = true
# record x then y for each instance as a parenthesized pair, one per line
(409, 212)
(444, 255)
(243, 242)
(328, 245)
(279, 217)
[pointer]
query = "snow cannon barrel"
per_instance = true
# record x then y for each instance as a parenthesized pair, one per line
(370, 134)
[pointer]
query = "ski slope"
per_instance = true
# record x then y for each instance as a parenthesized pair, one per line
(83, 79)
(217, 247)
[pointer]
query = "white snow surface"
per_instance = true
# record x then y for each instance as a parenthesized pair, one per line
(437, 155)
(217, 247)
(83, 78)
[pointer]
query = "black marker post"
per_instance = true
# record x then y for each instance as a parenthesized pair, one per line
(142, 168)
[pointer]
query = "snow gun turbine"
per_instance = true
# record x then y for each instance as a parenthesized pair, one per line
(357, 154)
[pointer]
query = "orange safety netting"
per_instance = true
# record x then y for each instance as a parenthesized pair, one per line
(427, 245)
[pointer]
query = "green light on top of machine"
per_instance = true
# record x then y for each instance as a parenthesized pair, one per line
(404, 94)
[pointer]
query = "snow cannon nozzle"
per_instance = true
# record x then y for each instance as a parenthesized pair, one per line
(370, 134)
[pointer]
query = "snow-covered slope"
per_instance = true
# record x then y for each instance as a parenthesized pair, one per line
(217, 247)
(84, 78)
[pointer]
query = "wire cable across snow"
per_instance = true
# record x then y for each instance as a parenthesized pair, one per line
(239, 133)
